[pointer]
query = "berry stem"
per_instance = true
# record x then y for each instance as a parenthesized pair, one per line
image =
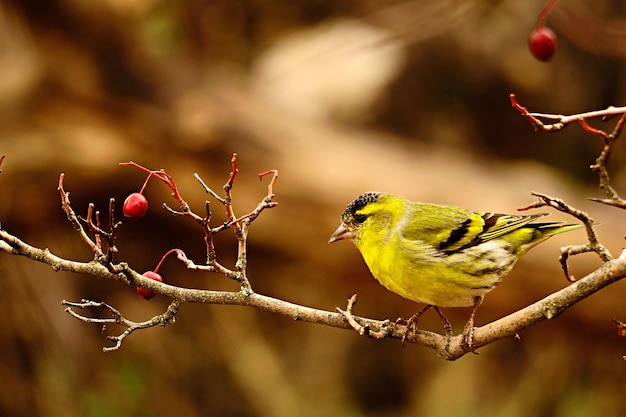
(543, 16)
(270, 187)
(161, 175)
(146, 182)
(156, 270)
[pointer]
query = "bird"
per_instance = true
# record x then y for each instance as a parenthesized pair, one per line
(439, 255)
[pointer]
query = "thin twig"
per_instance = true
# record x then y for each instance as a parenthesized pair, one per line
(270, 187)
(207, 189)
(385, 329)
(73, 218)
(113, 227)
(593, 246)
(212, 265)
(559, 122)
(117, 318)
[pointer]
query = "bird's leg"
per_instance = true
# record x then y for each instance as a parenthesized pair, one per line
(411, 323)
(446, 324)
(468, 330)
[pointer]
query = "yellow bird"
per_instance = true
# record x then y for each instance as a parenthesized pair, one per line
(441, 255)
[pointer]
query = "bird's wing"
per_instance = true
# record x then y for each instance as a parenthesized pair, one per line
(450, 229)
(482, 227)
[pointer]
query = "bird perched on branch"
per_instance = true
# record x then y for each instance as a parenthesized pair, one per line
(444, 256)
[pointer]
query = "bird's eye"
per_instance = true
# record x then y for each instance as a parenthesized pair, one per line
(360, 218)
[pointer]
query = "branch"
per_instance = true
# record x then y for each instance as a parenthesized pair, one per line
(556, 122)
(238, 224)
(594, 244)
(159, 320)
(74, 219)
(554, 304)
(559, 122)
(450, 348)
(103, 265)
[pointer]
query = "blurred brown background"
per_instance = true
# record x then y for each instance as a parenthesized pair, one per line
(341, 97)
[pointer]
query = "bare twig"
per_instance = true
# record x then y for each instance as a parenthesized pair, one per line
(270, 187)
(364, 329)
(73, 218)
(554, 122)
(113, 227)
(559, 122)
(593, 246)
(117, 318)
(207, 189)
(237, 223)
(227, 191)
(99, 233)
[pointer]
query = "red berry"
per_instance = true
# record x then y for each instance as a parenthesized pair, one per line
(147, 294)
(135, 206)
(542, 43)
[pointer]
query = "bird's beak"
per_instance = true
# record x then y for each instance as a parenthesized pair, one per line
(342, 232)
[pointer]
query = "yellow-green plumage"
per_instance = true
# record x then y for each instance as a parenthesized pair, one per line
(440, 255)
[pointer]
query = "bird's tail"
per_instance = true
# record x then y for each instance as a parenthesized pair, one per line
(545, 230)
(548, 229)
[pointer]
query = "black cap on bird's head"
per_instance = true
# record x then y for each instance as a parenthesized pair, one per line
(358, 203)
(349, 218)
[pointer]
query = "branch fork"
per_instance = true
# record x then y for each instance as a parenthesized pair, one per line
(168, 317)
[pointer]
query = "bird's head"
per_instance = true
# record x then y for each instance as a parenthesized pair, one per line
(370, 213)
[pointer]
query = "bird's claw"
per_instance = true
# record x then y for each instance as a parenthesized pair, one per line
(468, 338)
